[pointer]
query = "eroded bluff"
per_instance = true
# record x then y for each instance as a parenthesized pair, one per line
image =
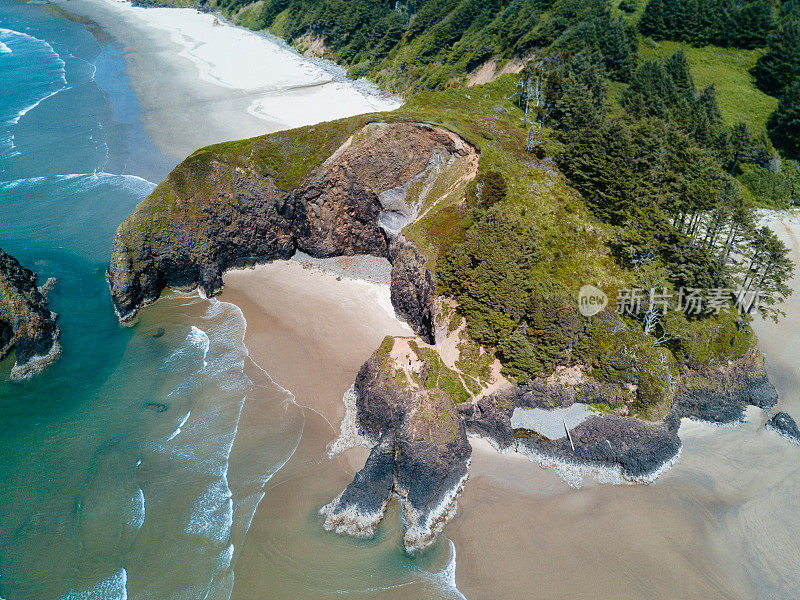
(26, 324)
(421, 453)
(224, 208)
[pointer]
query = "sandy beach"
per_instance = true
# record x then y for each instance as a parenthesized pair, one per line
(311, 330)
(201, 81)
(720, 524)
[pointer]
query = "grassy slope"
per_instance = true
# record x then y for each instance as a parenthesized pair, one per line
(573, 242)
(729, 70)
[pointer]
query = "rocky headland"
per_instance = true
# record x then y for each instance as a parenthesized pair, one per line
(237, 205)
(357, 187)
(420, 453)
(27, 326)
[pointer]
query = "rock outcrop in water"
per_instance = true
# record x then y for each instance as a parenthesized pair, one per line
(26, 324)
(421, 453)
(232, 206)
(784, 425)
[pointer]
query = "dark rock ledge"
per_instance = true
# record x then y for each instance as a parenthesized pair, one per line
(784, 425)
(626, 448)
(421, 454)
(26, 324)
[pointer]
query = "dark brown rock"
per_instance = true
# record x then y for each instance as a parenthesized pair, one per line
(420, 441)
(26, 324)
(220, 210)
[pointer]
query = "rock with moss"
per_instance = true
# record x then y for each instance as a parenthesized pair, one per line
(27, 326)
(421, 453)
(628, 447)
(324, 190)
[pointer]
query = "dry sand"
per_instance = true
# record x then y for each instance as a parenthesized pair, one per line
(310, 331)
(201, 81)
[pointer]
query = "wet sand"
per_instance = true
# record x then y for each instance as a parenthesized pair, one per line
(311, 333)
(722, 523)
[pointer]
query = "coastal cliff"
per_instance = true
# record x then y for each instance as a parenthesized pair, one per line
(488, 245)
(246, 203)
(420, 451)
(27, 326)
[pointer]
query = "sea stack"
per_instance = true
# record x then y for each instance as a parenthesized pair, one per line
(27, 326)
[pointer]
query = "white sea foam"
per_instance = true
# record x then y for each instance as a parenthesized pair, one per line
(111, 588)
(137, 513)
(4, 49)
(446, 578)
(200, 339)
(57, 86)
(212, 513)
(137, 185)
(181, 424)
(349, 436)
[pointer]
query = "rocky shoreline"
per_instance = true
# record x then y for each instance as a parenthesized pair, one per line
(784, 425)
(27, 326)
(211, 215)
(420, 453)
(234, 205)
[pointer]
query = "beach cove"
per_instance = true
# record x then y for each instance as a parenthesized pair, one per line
(154, 446)
(301, 335)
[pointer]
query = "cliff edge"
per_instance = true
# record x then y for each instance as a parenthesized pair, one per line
(239, 204)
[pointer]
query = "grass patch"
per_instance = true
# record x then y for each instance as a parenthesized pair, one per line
(729, 70)
(439, 375)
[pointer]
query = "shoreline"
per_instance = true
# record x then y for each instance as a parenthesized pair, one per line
(187, 66)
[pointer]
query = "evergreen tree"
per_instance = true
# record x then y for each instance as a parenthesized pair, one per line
(575, 94)
(784, 123)
(651, 93)
(750, 26)
(780, 65)
(677, 68)
(742, 146)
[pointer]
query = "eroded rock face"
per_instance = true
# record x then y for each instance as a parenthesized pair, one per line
(412, 288)
(217, 211)
(720, 394)
(26, 324)
(784, 425)
(421, 453)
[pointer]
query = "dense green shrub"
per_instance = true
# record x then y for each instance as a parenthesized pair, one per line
(720, 22)
(486, 189)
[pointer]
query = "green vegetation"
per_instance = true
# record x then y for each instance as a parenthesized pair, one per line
(728, 70)
(784, 124)
(438, 375)
(611, 160)
(720, 22)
